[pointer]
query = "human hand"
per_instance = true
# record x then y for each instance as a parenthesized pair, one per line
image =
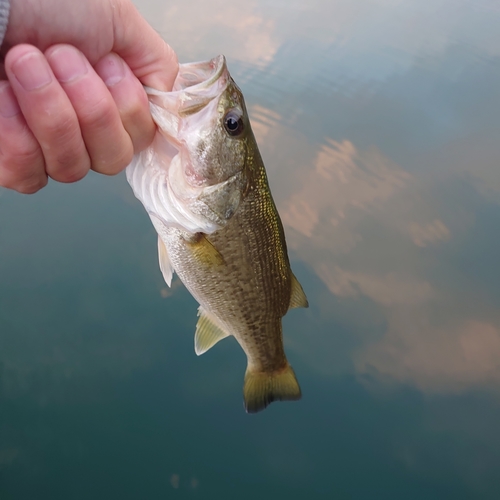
(73, 98)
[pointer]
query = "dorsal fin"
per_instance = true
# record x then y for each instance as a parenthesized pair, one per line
(165, 264)
(298, 297)
(207, 334)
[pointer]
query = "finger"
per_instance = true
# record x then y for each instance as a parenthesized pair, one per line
(108, 144)
(149, 57)
(21, 161)
(48, 113)
(130, 98)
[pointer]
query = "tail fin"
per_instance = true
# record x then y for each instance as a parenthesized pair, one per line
(262, 388)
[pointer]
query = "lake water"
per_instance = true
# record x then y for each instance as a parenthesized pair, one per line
(379, 124)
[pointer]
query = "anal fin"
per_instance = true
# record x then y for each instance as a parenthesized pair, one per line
(298, 297)
(208, 333)
(262, 388)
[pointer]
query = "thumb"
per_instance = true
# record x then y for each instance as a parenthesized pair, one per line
(149, 57)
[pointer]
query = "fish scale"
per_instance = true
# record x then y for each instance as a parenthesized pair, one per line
(251, 291)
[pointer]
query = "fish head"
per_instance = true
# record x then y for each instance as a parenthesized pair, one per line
(213, 131)
(203, 149)
(218, 148)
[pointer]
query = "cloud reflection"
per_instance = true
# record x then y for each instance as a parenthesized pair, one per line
(366, 228)
(248, 34)
(387, 290)
(435, 360)
(423, 235)
(344, 183)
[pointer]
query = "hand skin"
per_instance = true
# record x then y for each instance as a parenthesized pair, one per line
(72, 97)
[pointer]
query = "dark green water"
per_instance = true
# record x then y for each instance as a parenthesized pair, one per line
(379, 124)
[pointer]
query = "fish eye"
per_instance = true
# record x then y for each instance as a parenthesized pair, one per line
(233, 123)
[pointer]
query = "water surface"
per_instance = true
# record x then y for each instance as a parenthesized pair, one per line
(378, 121)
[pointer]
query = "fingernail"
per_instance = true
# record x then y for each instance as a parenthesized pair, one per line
(32, 71)
(68, 63)
(8, 102)
(111, 69)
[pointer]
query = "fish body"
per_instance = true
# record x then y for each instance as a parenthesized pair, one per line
(204, 185)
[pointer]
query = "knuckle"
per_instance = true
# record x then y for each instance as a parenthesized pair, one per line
(68, 166)
(65, 155)
(74, 174)
(23, 170)
(19, 150)
(60, 129)
(22, 165)
(27, 183)
(65, 159)
(99, 116)
(22, 162)
(115, 164)
(33, 186)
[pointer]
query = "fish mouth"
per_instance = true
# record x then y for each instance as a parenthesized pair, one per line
(195, 86)
(200, 75)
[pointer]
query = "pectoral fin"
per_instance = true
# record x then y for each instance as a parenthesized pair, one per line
(207, 333)
(204, 251)
(298, 297)
(165, 264)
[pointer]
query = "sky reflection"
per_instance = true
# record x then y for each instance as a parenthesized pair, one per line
(378, 123)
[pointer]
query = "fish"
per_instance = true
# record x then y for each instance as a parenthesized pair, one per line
(204, 185)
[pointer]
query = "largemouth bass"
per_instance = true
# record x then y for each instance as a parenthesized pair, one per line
(204, 186)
